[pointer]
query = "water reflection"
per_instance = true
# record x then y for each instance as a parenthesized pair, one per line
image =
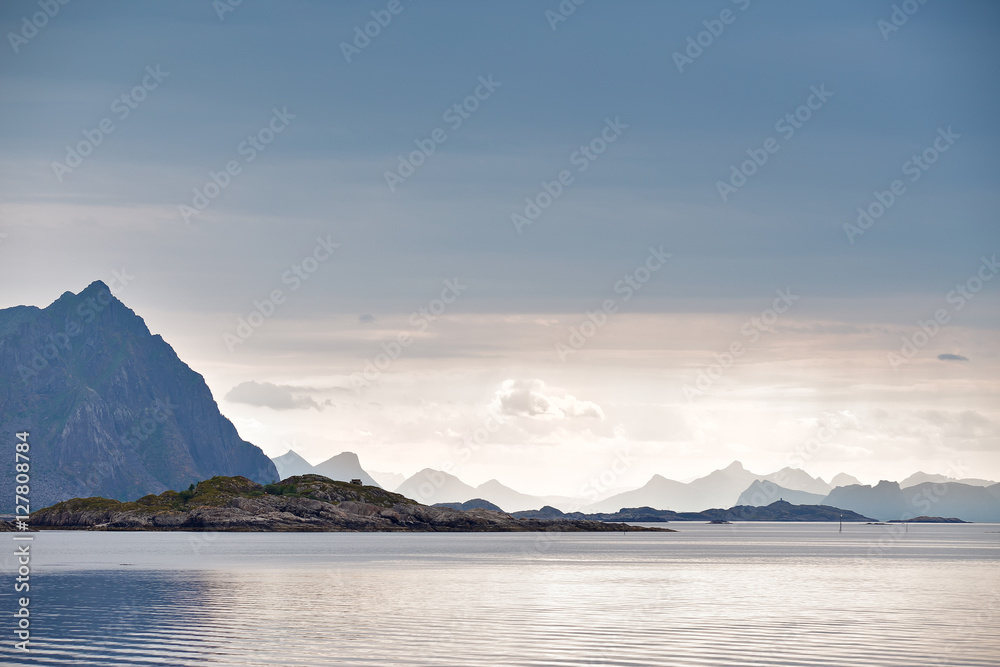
(754, 597)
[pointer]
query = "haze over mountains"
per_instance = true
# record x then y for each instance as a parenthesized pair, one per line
(343, 467)
(968, 499)
(721, 488)
(113, 412)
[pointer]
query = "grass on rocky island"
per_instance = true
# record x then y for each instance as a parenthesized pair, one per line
(219, 491)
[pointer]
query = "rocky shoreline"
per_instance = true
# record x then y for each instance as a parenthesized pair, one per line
(304, 503)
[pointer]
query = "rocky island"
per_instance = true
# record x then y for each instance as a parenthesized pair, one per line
(303, 503)
(779, 510)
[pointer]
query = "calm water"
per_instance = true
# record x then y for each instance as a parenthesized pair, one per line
(747, 594)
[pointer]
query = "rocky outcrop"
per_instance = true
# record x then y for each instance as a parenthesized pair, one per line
(110, 408)
(782, 510)
(474, 504)
(301, 503)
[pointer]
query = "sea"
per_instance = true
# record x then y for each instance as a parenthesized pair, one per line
(755, 594)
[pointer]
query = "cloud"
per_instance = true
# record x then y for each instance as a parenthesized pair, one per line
(366, 318)
(531, 398)
(952, 357)
(268, 395)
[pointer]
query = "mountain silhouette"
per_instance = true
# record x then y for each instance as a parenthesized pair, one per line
(109, 407)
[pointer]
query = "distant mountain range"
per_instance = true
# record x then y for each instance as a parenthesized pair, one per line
(342, 468)
(721, 488)
(112, 411)
(110, 408)
(922, 477)
(387, 480)
(760, 493)
(732, 486)
(888, 500)
(779, 510)
(435, 486)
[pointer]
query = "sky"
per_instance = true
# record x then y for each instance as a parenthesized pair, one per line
(540, 242)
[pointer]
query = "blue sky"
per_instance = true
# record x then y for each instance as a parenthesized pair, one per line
(655, 185)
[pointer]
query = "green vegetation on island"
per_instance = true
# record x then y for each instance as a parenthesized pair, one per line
(299, 503)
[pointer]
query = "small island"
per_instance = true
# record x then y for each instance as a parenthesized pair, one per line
(303, 503)
(779, 510)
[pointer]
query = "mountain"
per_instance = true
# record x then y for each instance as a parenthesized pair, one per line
(344, 467)
(883, 501)
(721, 488)
(843, 479)
(431, 486)
(888, 501)
(474, 504)
(779, 510)
(514, 501)
(110, 408)
(659, 493)
(291, 464)
(761, 493)
(952, 499)
(387, 480)
(796, 479)
(435, 486)
(505, 497)
(921, 477)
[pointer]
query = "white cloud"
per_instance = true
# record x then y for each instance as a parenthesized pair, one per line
(268, 395)
(533, 399)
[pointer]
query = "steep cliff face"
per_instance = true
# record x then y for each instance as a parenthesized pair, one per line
(110, 408)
